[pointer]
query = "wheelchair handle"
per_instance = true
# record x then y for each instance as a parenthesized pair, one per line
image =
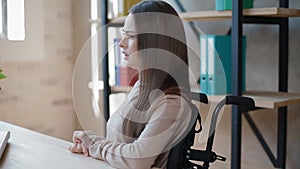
(245, 102)
(200, 97)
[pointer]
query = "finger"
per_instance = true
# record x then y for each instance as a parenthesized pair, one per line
(85, 150)
(76, 135)
(77, 140)
(72, 149)
(76, 148)
(79, 148)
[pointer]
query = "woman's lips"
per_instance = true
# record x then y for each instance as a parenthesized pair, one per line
(126, 56)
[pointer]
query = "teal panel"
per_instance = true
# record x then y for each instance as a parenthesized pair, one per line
(222, 5)
(216, 79)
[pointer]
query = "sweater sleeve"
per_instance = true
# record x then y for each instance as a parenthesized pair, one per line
(168, 124)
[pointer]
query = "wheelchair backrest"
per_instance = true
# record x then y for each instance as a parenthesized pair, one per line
(177, 156)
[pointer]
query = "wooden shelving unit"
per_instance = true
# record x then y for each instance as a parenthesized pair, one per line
(121, 89)
(262, 99)
(268, 99)
(262, 12)
(219, 15)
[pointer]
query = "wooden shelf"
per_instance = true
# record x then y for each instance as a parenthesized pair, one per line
(267, 99)
(263, 12)
(262, 99)
(217, 15)
(117, 21)
(121, 89)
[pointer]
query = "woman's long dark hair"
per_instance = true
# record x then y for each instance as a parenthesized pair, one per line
(162, 54)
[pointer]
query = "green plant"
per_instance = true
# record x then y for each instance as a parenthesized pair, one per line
(1, 74)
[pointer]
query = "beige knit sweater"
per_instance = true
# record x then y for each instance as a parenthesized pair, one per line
(167, 122)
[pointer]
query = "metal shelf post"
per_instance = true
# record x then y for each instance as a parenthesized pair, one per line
(106, 88)
(237, 32)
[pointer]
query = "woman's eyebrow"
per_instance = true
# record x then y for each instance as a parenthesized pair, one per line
(127, 31)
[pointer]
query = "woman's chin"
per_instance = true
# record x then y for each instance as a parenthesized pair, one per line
(133, 66)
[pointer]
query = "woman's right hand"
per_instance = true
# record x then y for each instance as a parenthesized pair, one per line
(78, 146)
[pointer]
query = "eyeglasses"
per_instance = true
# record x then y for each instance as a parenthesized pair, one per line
(128, 34)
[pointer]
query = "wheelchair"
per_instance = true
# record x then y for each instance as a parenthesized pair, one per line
(181, 155)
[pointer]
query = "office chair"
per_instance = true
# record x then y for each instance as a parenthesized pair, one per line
(182, 153)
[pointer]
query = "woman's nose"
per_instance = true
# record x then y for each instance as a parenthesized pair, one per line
(122, 43)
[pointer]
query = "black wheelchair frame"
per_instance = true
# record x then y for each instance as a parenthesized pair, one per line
(181, 155)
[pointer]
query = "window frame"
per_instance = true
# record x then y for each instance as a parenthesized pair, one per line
(3, 25)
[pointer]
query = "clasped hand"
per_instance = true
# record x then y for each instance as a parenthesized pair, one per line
(78, 143)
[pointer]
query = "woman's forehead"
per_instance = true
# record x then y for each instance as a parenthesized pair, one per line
(129, 24)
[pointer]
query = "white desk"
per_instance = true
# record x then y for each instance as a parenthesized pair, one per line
(27, 149)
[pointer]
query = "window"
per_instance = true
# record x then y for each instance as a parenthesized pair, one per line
(2, 18)
(95, 84)
(12, 20)
(96, 63)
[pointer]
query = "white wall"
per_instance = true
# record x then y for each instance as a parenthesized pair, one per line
(37, 91)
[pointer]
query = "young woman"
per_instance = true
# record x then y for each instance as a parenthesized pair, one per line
(157, 113)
